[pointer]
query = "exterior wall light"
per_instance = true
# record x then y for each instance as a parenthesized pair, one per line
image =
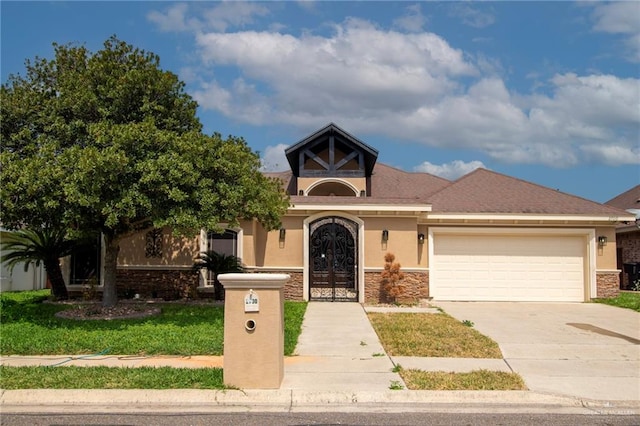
(283, 232)
(420, 238)
(385, 235)
(602, 241)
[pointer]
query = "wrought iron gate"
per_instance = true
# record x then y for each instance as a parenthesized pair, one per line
(333, 254)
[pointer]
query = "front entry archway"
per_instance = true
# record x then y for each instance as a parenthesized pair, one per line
(333, 254)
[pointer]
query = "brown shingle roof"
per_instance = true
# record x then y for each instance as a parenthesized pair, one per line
(389, 182)
(481, 191)
(627, 200)
(286, 178)
(484, 191)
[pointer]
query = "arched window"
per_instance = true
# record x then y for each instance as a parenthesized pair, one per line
(332, 187)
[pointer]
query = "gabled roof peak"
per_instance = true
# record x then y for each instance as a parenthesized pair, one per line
(366, 155)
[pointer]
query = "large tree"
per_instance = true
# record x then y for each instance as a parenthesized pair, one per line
(109, 142)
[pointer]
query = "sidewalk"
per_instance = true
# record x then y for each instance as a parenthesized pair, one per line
(340, 365)
(338, 350)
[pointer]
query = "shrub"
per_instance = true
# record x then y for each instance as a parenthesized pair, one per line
(392, 277)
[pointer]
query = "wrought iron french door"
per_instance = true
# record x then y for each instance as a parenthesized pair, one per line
(333, 254)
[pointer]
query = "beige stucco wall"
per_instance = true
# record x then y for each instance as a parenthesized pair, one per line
(271, 252)
(606, 256)
(402, 242)
(266, 250)
(264, 367)
(176, 251)
(248, 255)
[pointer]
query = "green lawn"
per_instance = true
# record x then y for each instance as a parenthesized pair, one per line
(474, 380)
(623, 300)
(431, 335)
(30, 327)
(110, 378)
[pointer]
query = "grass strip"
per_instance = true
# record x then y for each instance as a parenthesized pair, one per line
(474, 380)
(30, 327)
(431, 335)
(110, 378)
(626, 300)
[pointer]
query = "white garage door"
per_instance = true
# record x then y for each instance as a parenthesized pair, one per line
(508, 268)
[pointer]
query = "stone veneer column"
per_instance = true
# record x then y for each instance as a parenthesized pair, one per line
(416, 287)
(608, 284)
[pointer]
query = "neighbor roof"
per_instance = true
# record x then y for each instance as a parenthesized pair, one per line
(629, 200)
(485, 191)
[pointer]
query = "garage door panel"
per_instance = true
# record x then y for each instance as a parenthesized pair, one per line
(508, 267)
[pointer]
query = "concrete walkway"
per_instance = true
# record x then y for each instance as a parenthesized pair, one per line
(338, 350)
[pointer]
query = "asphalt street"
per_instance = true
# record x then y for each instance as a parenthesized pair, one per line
(300, 419)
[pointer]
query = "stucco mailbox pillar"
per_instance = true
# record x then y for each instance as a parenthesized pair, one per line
(253, 330)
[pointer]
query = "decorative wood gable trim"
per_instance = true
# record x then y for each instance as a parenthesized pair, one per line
(335, 159)
(331, 152)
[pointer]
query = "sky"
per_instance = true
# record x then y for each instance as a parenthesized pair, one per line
(547, 92)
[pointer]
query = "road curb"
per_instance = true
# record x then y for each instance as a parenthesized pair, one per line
(287, 400)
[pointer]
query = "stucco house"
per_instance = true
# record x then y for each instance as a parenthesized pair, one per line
(628, 236)
(485, 236)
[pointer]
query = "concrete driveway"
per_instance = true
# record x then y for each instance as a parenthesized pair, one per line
(586, 350)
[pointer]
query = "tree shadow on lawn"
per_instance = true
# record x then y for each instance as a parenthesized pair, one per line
(44, 315)
(180, 329)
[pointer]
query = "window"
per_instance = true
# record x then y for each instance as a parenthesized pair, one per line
(222, 243)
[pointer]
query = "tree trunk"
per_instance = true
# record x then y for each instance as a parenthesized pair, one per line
(110, 291)
(58, 286)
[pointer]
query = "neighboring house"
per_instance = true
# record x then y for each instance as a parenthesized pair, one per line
(485, 236)
(20, 278)
(628, 236)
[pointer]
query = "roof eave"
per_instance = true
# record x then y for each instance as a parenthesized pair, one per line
(412, 210)
(530, 217)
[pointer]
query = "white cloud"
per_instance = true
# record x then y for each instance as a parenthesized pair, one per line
(224, 15)
(470, 16)
(618, 17)
(173, 20)
(621, 17)
(274, 160)
(419, 88)
(413, 20)
(308, 5)
(233, 14)
(359, 68)
(613, 155)
(452, 170)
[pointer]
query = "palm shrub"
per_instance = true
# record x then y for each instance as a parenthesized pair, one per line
(218, 263)
(46, 245)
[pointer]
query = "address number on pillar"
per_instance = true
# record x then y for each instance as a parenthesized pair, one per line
(251, 302)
